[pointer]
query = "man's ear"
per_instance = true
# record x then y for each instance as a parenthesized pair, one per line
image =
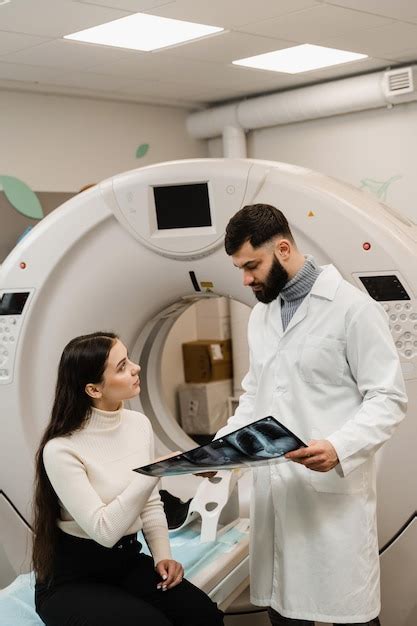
(282, 249)
(94, 391)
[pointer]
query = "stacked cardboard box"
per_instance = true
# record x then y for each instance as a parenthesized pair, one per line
(208, 370)
(213, 318)
(207, 360)
(204, 407)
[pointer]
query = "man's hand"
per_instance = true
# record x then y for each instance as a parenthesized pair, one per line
(319, 455)
(171, 573)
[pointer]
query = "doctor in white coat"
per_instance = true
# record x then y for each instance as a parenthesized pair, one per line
(322, 360)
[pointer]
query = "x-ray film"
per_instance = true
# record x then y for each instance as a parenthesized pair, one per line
(254, 444)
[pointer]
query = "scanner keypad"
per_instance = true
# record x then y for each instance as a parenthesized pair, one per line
(402, 318)
(8, 335)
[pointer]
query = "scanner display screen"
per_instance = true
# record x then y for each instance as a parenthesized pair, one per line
(182, 206)
(13, 303)
(384, 288)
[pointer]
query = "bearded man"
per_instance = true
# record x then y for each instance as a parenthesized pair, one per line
(323, 362)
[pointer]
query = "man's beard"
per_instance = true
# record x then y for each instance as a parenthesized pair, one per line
(275, 281)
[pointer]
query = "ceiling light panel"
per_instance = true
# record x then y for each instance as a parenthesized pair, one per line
(298, 59)
(144, 32)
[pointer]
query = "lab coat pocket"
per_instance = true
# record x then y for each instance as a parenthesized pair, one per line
(322, 360)
(332, 482)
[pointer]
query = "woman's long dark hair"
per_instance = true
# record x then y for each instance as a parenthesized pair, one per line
(83, 361)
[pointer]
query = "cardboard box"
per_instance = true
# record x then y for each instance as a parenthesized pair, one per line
(213, 307)
(204, 406)
(213, 326)
(207, 360)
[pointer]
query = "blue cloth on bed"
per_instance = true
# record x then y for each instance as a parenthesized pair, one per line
(187, 549)
(17, 601)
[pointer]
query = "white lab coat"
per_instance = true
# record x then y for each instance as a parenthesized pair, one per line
(334, 373)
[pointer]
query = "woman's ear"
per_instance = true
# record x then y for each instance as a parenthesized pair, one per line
(94, 391)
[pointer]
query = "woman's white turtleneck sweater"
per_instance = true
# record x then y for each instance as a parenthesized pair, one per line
(101, 498)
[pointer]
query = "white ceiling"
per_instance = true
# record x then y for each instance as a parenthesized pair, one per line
(33, 55)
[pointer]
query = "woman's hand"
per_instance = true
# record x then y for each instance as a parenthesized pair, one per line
(171, 573)
(205, 474)
(167, 456)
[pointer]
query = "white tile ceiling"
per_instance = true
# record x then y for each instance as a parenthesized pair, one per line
(33, 55)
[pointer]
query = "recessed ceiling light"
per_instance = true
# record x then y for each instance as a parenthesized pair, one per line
(4, 2)
(143, 32)
(300, 59)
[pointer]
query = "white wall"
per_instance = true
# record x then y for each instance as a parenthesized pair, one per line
(60, 143)
(365, 149)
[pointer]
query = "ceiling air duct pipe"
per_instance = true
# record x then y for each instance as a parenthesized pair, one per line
(234, 142)
(358, 93)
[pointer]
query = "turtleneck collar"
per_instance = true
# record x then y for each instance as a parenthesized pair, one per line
(300, 285)
(104, 420)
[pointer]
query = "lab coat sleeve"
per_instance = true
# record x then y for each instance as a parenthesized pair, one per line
(375, 365)
(244, 413)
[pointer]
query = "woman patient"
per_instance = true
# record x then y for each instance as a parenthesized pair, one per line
(89, 504)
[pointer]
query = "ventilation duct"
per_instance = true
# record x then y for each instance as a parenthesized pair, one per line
(358, 93)
(398, 82)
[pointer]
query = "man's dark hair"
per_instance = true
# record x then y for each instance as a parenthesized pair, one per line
(256, 223)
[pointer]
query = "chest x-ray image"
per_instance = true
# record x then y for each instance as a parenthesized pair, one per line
(254, 444)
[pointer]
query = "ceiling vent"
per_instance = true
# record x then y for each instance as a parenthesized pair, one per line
(398, 82)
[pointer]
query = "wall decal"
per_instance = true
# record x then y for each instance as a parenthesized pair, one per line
(21, 197)
(378, 188)
(142, 150)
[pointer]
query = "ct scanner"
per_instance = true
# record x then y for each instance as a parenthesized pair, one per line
(133, 252)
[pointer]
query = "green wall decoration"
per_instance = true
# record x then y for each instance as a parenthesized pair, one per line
(378, 187)
(21, 197)
(142, 150)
